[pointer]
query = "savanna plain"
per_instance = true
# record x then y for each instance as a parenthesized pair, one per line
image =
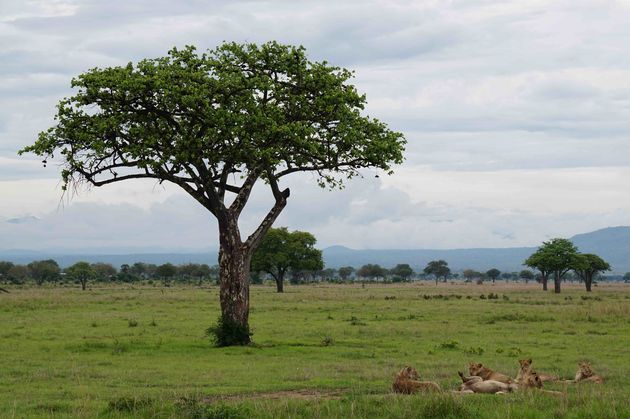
(324, 350)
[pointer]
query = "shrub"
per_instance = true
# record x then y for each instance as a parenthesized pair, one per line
(129, 404)
(327, 341)
(451, 344)
(194, 409)
(133, 322)
(229, 333)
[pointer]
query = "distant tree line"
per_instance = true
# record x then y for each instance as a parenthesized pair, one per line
(292, 255)
(49, 271)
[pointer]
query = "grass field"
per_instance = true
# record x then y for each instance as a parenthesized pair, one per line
(320, 351)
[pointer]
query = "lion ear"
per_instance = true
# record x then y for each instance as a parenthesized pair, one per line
(529, 361)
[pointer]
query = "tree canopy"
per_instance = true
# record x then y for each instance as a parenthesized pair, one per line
(587, 265)
(437, 268)
(281, 250)
(402, 270)
(82, 272)
(554, 256)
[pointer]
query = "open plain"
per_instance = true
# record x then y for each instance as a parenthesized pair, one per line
(323, 350)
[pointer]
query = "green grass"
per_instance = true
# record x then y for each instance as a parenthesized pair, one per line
(320, 351)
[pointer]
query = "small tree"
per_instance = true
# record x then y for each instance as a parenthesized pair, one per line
(587, 265)
(372, 271)
(166, 271)
(493, 274)
(345, 272)
(82, 272)
(44, 271)
(470, 274)
(5, 267)
(17, 274)
(281, 250)
(554, 256)
(527, 275)
(104, 271)
(626, 277)
(402, 271)
(215, 124)
(437, 268)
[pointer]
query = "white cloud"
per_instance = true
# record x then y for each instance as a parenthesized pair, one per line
(514, 111)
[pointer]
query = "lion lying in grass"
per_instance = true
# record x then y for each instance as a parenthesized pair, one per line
(407, 381)
(526, 366)
(476, 384)
(585, 374)
(487, 374)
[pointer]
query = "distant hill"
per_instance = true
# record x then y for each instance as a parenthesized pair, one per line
(613, 244)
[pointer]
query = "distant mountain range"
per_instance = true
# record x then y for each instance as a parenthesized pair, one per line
(613, 244)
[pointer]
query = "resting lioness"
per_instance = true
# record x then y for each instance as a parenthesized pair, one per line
(407, 382)
(487, 374)
(476, 384)
(526, 366)
(586, 374)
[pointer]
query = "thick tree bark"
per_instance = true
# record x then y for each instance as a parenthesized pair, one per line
(544, 281)
(557, 280)
(280, 283)
(234, 265)
(588, 281)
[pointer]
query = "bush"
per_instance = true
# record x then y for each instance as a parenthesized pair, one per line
(229, 333)
(193, 409)
(129, 404)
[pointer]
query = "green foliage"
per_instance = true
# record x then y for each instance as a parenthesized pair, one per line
(44, 271)
(553, 255)
(229, 333)
(526, 274)
(587, 265)
(264, 108)
(372, 271)
(192, 408)
(402, 271)
(281, 250)
(493, 274)
(81, 271)
(129, 404)
(437, 268)
(166, 271)
(345, 272)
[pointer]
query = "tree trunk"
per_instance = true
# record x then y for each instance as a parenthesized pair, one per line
(83, 284)
(588, 281)
(280, 283)
(234, 265)
(544, 281)
(557, 280)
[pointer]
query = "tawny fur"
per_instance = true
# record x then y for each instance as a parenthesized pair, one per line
(487, 374)
(526, 366)
(585, 374)
(476, 384)
(407, 381)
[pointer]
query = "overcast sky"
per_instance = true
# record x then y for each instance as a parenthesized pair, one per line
(517, 116)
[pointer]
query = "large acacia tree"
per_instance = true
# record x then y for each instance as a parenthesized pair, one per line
(215, 124)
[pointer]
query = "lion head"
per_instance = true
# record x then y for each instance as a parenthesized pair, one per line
(475, 368)
(585, 369)
(526, 364)
(408, 373)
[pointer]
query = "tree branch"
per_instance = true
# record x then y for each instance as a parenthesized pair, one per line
(243, 194)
